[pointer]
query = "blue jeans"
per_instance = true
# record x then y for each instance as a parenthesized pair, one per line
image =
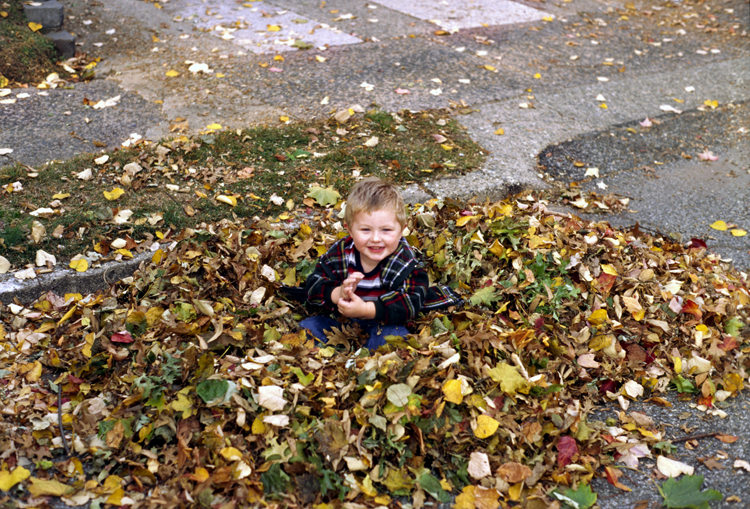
(318, 324)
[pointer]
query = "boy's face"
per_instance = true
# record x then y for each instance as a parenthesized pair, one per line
(376, 236)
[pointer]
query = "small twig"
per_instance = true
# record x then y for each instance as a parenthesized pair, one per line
(59, 419)
(695, 437)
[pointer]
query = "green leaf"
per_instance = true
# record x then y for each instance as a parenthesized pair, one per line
(302, 44)
(210, 390)
(324, 196)
(431, 485)
(582, 498)
(302, 377)
(686, 493)
(684, 386)
(398, 394)
(486, 296)
(733, 326)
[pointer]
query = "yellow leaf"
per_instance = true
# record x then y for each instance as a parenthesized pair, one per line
(538, 76)
(158, 256)
(603, 106)
(3, 14)
(638, 315)
(497, 249)
(125, 252)
(214, 127)
(711, 104)
(446, 146)
(231, 454)
(509, 378)
(35, 27)
(486, 426)
(89, 338)
(600, 342)
(452, 391)
(466, 499)
(258, 427)
(278, 58)
(157, 5)
(229, 200)
(464, 219)
(44, 487)
(514, 493)
(201, 474)
(80, 265)
(548, 18)
(608, 269)
(738, 233)
(114, 193)
(284, 118)
(489, 68)
(273, 28)
(598, 317)
(677, 364)
(500, 131)
(10, 479)
(34, 373)
(719, 225)
(116, 497)
(220, 75)
(60, 196)
(182, 404)
(172, 73)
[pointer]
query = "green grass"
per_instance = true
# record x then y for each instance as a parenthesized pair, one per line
(253, 165)
(26, 57)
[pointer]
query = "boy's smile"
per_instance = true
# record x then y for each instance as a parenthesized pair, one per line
(376, 236)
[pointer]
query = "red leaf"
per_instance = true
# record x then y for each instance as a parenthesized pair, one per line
(697, 244)
(613, 478)
(605, 282)
(122, 337)
(691, 307)
(729, 343)
(566, 450)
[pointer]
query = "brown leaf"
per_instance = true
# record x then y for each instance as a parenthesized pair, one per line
(513, 472)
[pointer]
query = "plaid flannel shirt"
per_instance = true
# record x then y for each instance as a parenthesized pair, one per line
(402, 276)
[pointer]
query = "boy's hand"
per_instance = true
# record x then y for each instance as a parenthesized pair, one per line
(347, 288)
(350, 285)
(356, 308)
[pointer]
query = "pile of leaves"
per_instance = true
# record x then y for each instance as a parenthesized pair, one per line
(193, 384)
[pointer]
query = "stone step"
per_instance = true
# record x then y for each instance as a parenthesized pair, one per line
(48, 14)
(64, 42)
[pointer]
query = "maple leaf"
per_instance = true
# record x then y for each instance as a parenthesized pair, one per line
(324, 196)
(686, 493)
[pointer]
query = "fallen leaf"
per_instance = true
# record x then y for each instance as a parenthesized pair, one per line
(706, 155)
(114, 194)
(35, 27)
(673, 468)
(738, 232)
(79, 265)
(479, 465)
(719, 225)
(10, 479)
(567, 448)
(486, 426)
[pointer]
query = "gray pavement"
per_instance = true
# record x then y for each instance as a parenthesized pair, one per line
(541, 70)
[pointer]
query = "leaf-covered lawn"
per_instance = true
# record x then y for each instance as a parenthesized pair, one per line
(193, 384)
(104, 206)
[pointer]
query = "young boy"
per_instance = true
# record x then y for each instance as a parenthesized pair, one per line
(373, 276)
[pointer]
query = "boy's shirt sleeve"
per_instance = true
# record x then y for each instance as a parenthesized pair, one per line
(405, 302)
(326, 277)
(319, 287)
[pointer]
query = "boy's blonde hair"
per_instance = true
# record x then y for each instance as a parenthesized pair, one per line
(373, 194)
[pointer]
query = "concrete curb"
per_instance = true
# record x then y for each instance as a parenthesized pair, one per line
(62, 280)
